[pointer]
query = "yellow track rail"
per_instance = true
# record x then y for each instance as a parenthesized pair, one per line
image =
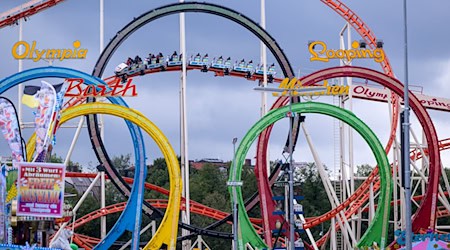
(167, 231)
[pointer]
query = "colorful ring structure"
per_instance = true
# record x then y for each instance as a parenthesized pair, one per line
(167, 232)
(377, 230)
(130, 219)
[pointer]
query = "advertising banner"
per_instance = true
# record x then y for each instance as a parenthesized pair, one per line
(40, 189)
(9, 127)
(382, 95)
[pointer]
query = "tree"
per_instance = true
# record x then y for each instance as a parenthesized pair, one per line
(71, 166)
(123, 164)
(364, 170)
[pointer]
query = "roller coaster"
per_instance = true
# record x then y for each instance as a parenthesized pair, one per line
(254, 233)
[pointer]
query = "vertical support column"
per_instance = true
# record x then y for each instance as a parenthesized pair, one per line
(291, 177)
(424, 165)
(350, 130)
(264, 83)
(102, 134)
(333, 234)
(405, 142)
(395, 179)
(371, 203)
(185, 214)
(20, 89)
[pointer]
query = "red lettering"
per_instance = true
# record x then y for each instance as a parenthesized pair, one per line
(126, 88)
(114, 87)
(78, 82)
(358, 89)
(117, 89)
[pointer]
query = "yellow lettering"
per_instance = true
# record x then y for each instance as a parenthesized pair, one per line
(315, 56)
(366, 53)
(335, 90)
(66, 54)
(16, 46)
(344, 90)
(350, 54)
(82, 53)
(33, 45)
(340, 54)
(38, 55)
(379, 55)
(52, 53)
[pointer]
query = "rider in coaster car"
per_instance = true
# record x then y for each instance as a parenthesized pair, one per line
(174, 56)
(159, 58)
(242, 63)
(129, 61)
(228, 61)
(137, 60)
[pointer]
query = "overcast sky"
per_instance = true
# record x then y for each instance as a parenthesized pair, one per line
(220, 108)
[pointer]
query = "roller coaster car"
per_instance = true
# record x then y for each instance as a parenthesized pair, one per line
(199, 63)
(175, 60)
(270, 73)
(153, 65)
(124, 70)
(221, 65)
(244, 68)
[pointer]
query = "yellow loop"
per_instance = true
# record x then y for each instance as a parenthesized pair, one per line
(168, 230)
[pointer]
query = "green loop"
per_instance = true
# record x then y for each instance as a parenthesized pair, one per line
(377, 230)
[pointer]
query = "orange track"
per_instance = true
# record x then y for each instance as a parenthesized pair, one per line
(11, 19)
(195, 206)
(361, 195)
(354, 21)
(157, 203)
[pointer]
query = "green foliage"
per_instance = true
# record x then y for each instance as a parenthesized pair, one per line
(71, 167)
(315, 201)
(364, 170)
(208, 187)
(122, 163)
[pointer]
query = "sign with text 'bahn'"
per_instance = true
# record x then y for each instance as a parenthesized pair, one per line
(40, 189)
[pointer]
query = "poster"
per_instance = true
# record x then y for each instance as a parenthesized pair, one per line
(40, 189)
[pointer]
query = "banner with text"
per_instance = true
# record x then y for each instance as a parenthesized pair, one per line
(382, 95)
(40, 189)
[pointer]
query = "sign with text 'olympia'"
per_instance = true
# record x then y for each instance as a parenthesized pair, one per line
(297, 89)
(324, 55)
(383, 95)
(34, 53)
(40, 189)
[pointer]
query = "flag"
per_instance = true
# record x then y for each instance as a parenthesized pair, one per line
(9, 127)
(29, 96)
(46, 97)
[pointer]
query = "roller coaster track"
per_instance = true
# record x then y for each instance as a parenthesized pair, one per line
(166, 233)
(155, 14)
(119, 228)
(196, 207)
(361, 197)
(347, 13)
(428, 206)
(377, 230)
(11, 16)
(425, 215)
(268, 204)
